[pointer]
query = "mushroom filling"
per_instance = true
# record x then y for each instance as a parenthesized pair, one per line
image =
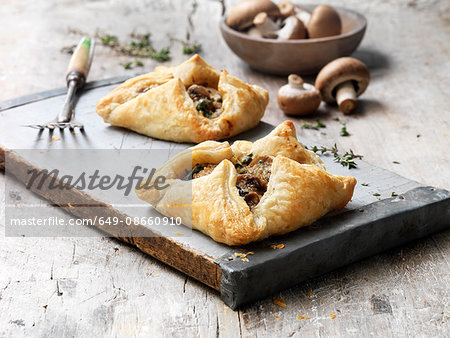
(252, 179)
(207, 100)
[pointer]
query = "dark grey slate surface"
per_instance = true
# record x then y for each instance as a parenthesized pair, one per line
(333, 242)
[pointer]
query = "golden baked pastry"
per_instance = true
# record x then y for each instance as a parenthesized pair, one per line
(249, 191)
(192, 102)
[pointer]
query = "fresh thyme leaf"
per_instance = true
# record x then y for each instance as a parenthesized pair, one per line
(316, 126)
(336, 119)
(127, 65)
(320, 124)
(346, 160)
(376, 194)
(365, 184)
(192, 48)
(204, 107)
(140, 46)
(138, 63)
(344, 131)
(162, 55)
(109, 40)
(395, 162)
(394, 194)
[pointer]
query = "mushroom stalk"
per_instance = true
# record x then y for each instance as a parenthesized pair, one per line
(265, 25)
(346, 97)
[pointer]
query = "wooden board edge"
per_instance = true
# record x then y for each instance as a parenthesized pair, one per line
(183, 258)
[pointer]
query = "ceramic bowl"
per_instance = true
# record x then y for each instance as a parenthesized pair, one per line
(304, 57)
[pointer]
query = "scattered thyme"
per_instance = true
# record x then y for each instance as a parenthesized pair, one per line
(376, 194)
(394, 194)
(189, 47)
(140, 46)
(395, 162)
(131, 65)
(346, 160)
(319, 124)
(365, 184)
(192, 48)
(344, 131)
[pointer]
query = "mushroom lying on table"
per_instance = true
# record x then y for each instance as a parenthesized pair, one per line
(342, 81)
(297, 97)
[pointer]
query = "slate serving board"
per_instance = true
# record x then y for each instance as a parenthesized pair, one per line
(365, 227)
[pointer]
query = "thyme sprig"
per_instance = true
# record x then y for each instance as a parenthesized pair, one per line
(346, 160)
(140, 45)
(316, 126)
(189, 47)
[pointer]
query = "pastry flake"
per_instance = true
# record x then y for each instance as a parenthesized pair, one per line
(249, 191)
(191, 102)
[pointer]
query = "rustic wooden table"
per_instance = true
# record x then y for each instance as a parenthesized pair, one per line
(99, 286)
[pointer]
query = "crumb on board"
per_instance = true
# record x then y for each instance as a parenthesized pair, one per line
(244, 255)
(303, 317)
(177, 233)
(278, 246)
(155, 275)
(277, 316)
(55, 138)
(280, 302)
(310, 293)
(74, 133)
(332, 315)
(230, 258)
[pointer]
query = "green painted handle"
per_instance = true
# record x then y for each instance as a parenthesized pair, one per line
(82, 57)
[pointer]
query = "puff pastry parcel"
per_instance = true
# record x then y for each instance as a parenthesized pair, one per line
(192, 102)
(249, 191)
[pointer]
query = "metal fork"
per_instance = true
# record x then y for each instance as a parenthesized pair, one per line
(76, 75)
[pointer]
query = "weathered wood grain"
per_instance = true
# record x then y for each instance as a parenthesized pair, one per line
(100, 288)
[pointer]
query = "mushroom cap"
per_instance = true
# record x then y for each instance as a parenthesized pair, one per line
(339, 71)
(324, 21)
(293, 29)
(241, 16)
(298, 98)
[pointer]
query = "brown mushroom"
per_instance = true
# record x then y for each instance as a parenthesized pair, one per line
(287, 8)
(342, 81)
(267, 28)
(293, 29)
(297, 97)
(324, 21)
(241, 16)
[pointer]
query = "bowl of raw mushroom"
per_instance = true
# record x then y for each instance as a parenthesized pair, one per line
(285, 37)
